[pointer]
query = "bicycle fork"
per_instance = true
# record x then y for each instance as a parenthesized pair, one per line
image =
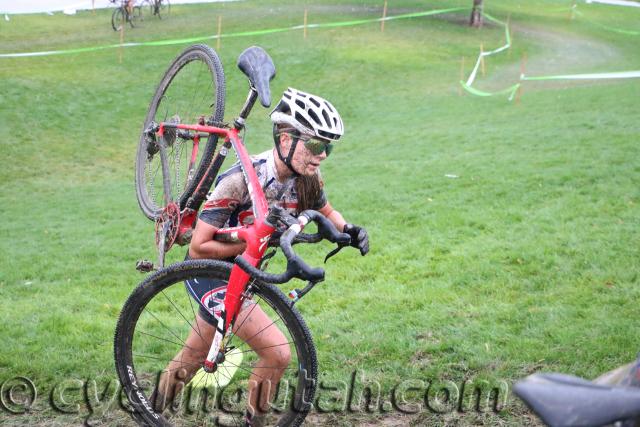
(238, 281)
(216, 351)
(237, 285)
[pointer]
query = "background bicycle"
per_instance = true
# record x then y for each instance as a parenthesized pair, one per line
(159, 8)
(127, 11)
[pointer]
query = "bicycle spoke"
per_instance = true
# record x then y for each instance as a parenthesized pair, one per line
(166, 327)
(146, 356)
(262, 348)
(164, 339)
(181, 315)
(261, 330)
(194, 314)
(245, 369)
(253, 306)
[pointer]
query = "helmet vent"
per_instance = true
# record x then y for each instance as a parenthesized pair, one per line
(328, 135)
(326, 117)
(314, 116)
(300, 118)
(329, 106)
(315, 102)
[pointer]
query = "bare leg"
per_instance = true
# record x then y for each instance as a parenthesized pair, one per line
(272, 348)
(184, 365)
(252, 326)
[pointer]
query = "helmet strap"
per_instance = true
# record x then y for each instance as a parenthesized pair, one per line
(287, 160)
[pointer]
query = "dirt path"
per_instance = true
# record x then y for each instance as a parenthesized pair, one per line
(557, 52)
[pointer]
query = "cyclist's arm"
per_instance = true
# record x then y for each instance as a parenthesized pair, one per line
(221, 203)
(203, 246)
(333, 215)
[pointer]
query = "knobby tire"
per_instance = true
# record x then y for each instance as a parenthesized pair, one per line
(193, 86)
(148, 314)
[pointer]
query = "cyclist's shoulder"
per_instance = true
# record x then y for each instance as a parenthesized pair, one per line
(260, 160)
(231, 181)
(234, 173)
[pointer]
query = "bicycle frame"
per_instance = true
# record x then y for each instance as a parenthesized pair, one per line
(256, 235)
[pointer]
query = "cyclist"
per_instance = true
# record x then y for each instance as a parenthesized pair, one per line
(305, 127)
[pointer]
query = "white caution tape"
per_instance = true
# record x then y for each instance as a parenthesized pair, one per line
(592, 76)
(616, 2)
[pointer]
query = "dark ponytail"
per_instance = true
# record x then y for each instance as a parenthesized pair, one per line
(309, 189)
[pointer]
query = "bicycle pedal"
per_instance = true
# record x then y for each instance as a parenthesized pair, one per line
(144, 266)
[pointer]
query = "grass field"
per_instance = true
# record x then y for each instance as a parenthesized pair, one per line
(504, 237)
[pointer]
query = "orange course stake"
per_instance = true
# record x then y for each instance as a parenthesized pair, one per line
(305, 23)
(121, 36)
(384, 16)
(482, 69)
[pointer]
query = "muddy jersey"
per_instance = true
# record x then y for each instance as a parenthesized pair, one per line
(229, 204)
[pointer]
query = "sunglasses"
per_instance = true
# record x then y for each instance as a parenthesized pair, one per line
(316, 146)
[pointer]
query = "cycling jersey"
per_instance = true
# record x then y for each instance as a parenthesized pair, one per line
(229, 204)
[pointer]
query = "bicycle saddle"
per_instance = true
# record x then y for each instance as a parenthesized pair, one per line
(258, 66)
(564, 400)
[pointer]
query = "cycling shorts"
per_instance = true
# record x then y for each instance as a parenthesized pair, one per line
(209, 294)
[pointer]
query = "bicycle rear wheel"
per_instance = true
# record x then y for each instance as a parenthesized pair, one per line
(192, 90)
(135, 16)
(152, 329)
(163, 8)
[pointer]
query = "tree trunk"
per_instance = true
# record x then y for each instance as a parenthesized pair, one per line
(476, 14)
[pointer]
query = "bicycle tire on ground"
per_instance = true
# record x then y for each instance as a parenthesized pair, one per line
(163, 9)
(136, 16)
(116, 19)
(161, 304)
(192, 87)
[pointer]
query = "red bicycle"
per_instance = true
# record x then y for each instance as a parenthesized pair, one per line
(173, 177)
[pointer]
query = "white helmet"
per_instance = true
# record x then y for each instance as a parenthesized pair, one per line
(309, 114)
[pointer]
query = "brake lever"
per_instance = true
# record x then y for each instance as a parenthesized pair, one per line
(335, 251)
(264, 261)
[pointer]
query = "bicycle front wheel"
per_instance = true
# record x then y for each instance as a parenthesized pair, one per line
(191, 91)
(150, 343)
(117, 19)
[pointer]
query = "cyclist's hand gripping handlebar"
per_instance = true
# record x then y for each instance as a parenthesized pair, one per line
(296, 267)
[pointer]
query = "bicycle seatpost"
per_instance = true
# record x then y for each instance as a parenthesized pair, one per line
(238, 123)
